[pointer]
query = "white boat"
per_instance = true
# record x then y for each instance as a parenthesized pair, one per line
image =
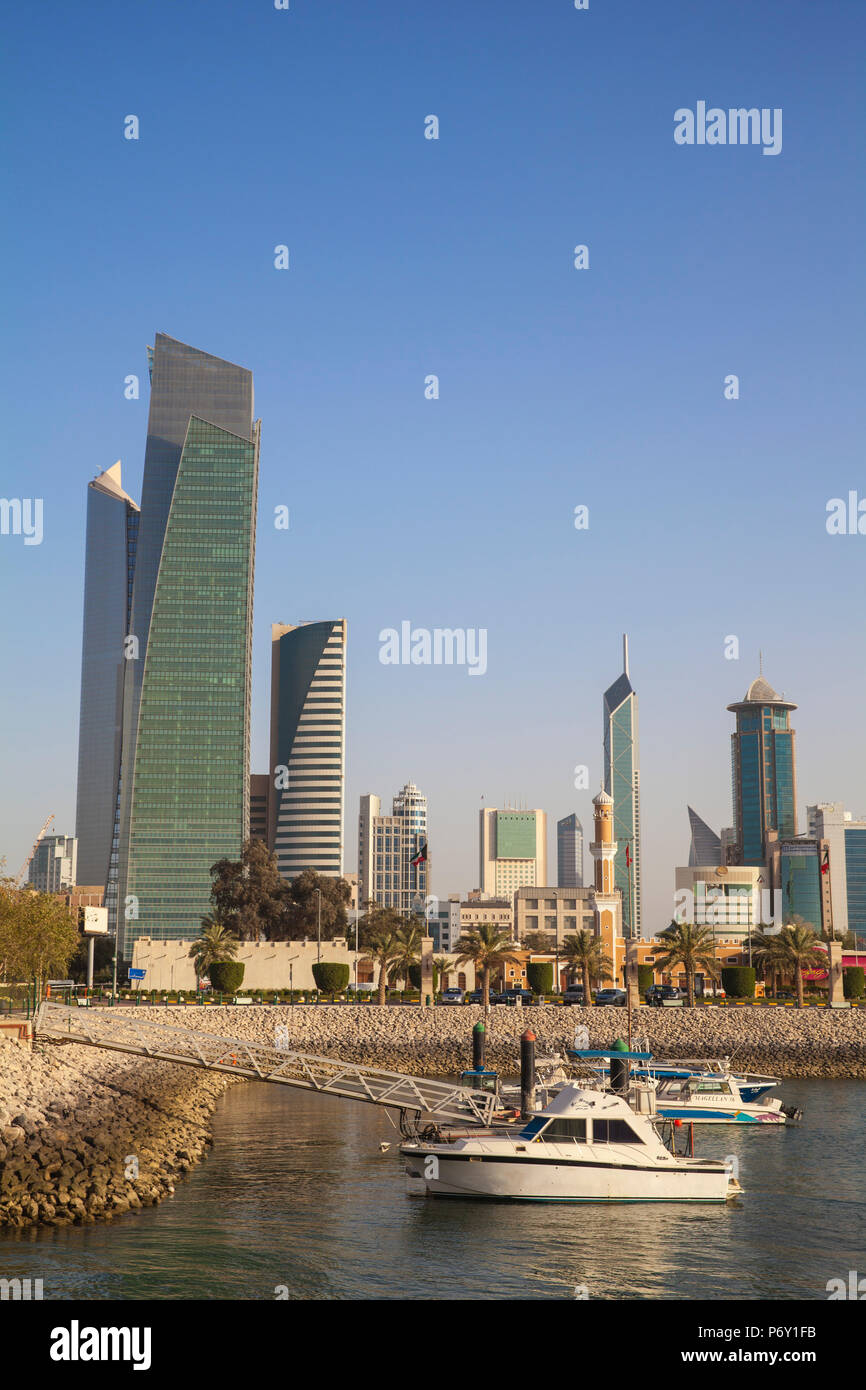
(585, 1146)
(716, 1098)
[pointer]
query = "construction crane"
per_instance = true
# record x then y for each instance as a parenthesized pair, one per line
(24, 867)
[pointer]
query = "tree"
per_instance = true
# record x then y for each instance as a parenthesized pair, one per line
(331, 976)
(487, 948)
(38, 936)
(539, 976)
(301, 916)
(799, 950)
(407, 950)
(691, 947)
(539, 941)
(769, 954)
(442, 970)
(377, 920)
(215, 945)
(382, 950)
(584, 951)
(248, 894)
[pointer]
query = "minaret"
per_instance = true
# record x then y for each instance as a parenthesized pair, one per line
(608, 898)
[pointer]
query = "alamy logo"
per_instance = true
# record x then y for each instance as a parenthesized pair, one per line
(20, 1290)
(75, 1343)
(22, 516)
(854, 1289)
(736, 126)
(444, 646)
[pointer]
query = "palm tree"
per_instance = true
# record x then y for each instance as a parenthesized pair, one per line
(769, 953)
(443, 970)
(691, 947)
(382, 949)
(584, 951)
(799, 950)
(216, 943)
(487, 948)
(407, 951)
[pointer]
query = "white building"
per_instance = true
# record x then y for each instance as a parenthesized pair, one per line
(388, 848)
(54, 865)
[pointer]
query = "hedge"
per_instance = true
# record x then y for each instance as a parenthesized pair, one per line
(853, 981)
(226, 976)
(738, 981)
(539, 976)
(331, 976)
(415, 976)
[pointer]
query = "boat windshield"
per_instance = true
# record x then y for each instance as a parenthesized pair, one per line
(533, 1127)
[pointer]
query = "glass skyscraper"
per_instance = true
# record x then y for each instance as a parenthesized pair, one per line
(763, 771)
(569, 852)
(308, 747)
(186, 698)
(622, 782)
(112, 533)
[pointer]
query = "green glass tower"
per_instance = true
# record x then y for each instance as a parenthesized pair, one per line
(764, 773)
(185, 802)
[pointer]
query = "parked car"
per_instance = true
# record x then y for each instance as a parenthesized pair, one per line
(508, 996)
(573, 995)
(453, 996)
(612, 997)
(476, 996)
(660, 995)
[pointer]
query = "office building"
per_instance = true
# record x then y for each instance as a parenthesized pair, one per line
(53, 868)
(259, 806)
(186, 701)
(393, 856)
(705, 846)
(622, 784)
(764, 775)
(569, 852)
(846, 852)
(513, 851)
(559, 912)
(308, 747)
(497, 912)
(733, 900)
(112, 534)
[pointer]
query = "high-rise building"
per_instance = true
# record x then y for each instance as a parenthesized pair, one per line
(513, 851)
(393, 858)
(846, 867)
(112, 532)
(763, 772)
(308, 747)
(186, 702)
(705, 846)
(569, 852)
(622, 783)
(53, 866)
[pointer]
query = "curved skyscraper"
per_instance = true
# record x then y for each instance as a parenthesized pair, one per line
(308, 747)
(186, 703)
(764, 773)
(622, 782)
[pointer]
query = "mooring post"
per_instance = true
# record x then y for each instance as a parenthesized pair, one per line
(479, 1038)
(527, 1074)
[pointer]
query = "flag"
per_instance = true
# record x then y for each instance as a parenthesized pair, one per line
(627, 856)
(825, 862)
(420, 857)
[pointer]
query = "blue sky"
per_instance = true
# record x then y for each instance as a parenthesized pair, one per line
(558, 387)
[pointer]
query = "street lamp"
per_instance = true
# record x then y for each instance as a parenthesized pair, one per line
(318, 893)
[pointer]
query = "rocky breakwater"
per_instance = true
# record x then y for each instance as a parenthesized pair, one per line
(438, 1042)
(86, 1135)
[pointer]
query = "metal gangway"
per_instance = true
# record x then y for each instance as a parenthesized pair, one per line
(122, 1030)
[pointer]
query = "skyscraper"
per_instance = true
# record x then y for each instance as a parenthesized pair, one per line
(705, 846)
(764, 774)
(53, 866)
(306, 791)
(569, 852)
(186, 700)
(622, 782)
(512, 851)
(112, 533)
(387, 847)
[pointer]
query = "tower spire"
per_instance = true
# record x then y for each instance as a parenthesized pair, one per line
(625, 653)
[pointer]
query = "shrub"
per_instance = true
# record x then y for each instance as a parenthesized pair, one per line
(738, 981)
(539, 976)
(415, 976)
(226, 976)
(854, 981)
(331, 976)
(645, 977)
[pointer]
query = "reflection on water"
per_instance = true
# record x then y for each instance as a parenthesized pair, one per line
(296, 1193)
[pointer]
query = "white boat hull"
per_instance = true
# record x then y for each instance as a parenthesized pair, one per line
(596, 1177)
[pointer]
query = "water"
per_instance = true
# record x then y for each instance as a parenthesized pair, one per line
(295, 1193)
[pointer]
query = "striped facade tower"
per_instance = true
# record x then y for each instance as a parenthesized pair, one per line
(306, 791)
(608, 897)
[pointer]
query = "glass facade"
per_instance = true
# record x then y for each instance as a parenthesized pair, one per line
(801, 884)
(855, 872)
(569, 852)
(622, 782)
(515, 834)
(190, 793)
(764, 771)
